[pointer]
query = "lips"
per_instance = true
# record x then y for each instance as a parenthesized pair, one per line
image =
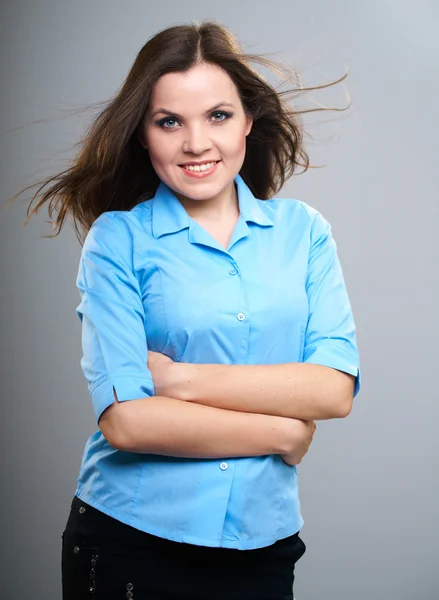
(193, 169)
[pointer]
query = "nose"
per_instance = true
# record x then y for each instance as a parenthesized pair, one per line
(196, 140)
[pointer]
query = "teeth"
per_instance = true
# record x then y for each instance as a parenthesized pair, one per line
(200, 167)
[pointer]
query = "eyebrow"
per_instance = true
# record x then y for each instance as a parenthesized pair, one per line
(165, 111)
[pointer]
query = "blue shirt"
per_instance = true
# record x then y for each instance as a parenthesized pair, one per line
(153, 278)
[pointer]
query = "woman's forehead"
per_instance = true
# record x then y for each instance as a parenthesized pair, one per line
(207, 83)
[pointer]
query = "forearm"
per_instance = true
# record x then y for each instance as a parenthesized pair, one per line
(166, 426)
(294, 390)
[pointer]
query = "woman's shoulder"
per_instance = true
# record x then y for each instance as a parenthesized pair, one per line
(134, 217)
(116, 228)
(289, 208)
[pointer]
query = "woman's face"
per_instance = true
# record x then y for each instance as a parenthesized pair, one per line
(196, 118)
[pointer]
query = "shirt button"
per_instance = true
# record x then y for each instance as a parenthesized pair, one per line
(233, 271)
(241, 316)
(224, 466)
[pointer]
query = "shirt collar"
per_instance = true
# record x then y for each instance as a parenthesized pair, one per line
(169, 215)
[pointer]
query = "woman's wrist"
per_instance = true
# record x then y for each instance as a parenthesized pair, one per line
(292, 434)
(176, 381)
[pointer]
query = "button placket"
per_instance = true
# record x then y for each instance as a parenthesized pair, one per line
(240, 316)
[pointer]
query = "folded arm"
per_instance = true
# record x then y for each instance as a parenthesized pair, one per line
(295, 390)
(169, 427)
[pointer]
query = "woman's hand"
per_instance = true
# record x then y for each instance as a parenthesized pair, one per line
(302, 433)
(161, 367)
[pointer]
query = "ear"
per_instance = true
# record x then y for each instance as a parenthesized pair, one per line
(249, 125)
(141, 138)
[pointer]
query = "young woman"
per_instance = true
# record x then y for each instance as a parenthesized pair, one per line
(216, 328)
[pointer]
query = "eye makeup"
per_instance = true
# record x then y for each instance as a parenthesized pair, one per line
(161, 122)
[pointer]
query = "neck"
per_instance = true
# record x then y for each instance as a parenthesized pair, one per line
(223, 207)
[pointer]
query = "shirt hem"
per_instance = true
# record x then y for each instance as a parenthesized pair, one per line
(189, 539)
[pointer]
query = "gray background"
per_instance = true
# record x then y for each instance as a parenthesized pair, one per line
(369, 483)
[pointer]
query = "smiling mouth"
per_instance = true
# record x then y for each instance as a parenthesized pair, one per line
(200, 168)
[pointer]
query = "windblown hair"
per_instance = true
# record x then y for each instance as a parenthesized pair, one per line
(112, 170)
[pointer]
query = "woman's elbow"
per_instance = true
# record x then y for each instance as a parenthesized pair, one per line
(111, 426)
(343, 396)
(342, 409)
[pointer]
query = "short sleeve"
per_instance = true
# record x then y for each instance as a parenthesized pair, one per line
(330, 335)
(114, 345)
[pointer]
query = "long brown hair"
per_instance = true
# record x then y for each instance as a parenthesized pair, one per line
(112, 171)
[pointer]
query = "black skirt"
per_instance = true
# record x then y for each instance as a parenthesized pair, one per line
(104, 559)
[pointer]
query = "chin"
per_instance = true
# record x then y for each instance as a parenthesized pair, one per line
(198, 190)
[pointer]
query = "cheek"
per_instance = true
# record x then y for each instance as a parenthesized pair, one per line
(230, 148)
(160, 148)
(239, 145)
(239, 140)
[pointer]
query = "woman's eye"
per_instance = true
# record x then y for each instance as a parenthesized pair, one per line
(221, 116)
(172, 122)
(168, 123)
